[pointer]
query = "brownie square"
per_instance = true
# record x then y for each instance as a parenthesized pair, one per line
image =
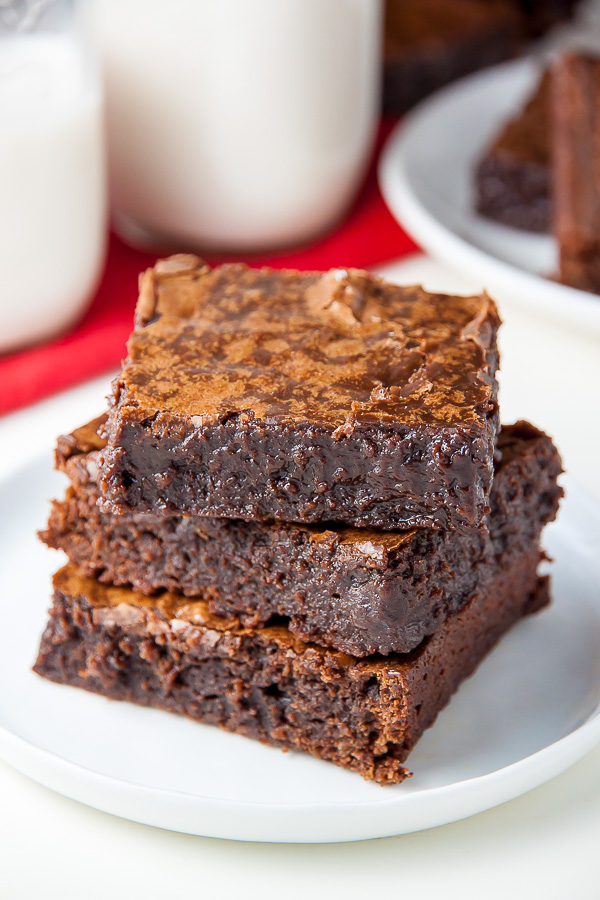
(513, 179)
(366, 715)
(303, 397)
(355, 590)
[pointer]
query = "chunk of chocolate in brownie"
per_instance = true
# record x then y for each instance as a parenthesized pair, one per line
(576, 136)
(513, 179)
(303, 396)
(365, 715)
(355, 590)
(429, 43)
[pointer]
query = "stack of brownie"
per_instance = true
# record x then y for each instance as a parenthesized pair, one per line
(300, 519)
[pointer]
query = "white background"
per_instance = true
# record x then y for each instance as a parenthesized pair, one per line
(544, 844)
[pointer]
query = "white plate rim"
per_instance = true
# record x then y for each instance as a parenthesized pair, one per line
(562, 302)
(234, 820)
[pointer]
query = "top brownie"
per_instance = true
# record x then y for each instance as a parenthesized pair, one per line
(303, 397)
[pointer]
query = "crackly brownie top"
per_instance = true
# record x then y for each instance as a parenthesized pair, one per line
(336, 349)
(527, 135)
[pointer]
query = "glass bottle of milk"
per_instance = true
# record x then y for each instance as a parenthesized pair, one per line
(52, 169)
(237, 125)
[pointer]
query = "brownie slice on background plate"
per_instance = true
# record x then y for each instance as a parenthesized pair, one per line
(513, 179)
(303, 397)
(542, 172)
(576, 143)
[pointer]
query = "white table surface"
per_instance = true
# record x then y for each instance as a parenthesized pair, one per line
(544, 844)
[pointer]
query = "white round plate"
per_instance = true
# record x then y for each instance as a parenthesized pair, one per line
(426, 177)
(530, 711)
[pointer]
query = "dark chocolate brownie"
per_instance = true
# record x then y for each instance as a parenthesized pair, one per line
(358, 591)
(367, 715)
(514, 178)
(303, 396)
(576, 136)
(429, 43)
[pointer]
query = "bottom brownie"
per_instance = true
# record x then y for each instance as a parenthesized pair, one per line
(366, 715)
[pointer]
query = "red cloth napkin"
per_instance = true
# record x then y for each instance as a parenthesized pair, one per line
(369, 236)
